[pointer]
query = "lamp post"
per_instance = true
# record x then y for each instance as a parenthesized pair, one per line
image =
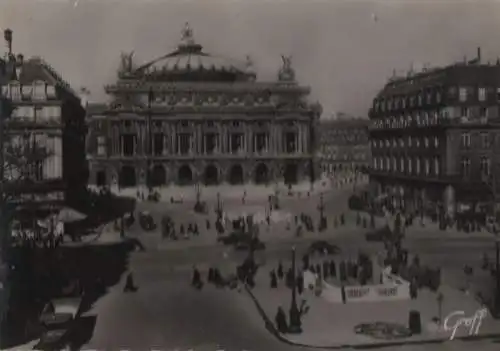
(295, 323)
(321, 206)
(6, 74)
(496, 304)
(150, 139)
(219, 206)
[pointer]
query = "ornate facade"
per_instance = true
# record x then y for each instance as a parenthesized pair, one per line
(44, 138)
(190, 117)
(344, 144)
(434, 136)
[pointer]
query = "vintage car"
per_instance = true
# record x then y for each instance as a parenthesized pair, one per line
(323, 247)
(146, 221)
(58, 320)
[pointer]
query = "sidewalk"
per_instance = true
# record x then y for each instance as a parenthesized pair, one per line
(253, 191)
(431, 230)
(332, 325)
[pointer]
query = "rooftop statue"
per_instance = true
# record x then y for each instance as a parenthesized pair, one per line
(249, 63)
(187, 34)
(286, 73)
(126, 64)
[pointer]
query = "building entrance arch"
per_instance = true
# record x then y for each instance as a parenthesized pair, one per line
(185, 175)
(236, 175)
(261, 175)
(127, 178)
(211, 175)
(290, 174)
(100, 178)
(158, 175)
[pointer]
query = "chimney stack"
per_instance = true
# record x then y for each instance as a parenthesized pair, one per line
(479, 54)
(7, 34)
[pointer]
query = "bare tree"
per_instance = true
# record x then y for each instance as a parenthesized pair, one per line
(24, 157)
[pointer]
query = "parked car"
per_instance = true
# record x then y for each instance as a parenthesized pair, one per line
(322, 246)
(356, 203)
(230, 239)
(378, 235)
(146, 221)
(245, 245)
(58, 319)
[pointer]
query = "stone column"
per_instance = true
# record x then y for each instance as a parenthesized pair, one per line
(200, 139)
(300, 140)
(275, 139)
(225, 139)
(229, 137)
(173, 138)
(165, 145)
(305, 138)
(248, 139)
(279, 138)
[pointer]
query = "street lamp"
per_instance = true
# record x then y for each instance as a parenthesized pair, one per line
(295, 323)
(219, 206)
(150, 139)
(321, 206)
(496, 302)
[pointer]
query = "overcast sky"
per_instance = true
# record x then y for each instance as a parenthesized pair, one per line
(345, 50)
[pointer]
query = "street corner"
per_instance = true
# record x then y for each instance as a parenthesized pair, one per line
(328, 319)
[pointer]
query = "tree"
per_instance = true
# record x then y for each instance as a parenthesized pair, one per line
(24, 157)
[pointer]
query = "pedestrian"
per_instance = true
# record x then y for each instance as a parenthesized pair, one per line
(274, 279)
(318, 270)
(326, 272)
(210, 277)
(289, 280)
(333, 269)
(196, 280)
(129, 284)
(413, 289)
(300, 283)
(280, 321)
(343, 271)
(305, 261)
(280, 271)
(207, 224)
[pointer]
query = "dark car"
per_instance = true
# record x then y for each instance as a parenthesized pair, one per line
(230, 239)
(58, 319)
(322, 246)
(245, 245)
(378, 235)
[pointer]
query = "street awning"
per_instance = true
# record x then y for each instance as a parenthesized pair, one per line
(68, 215)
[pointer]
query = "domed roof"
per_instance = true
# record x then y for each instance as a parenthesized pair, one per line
(189, 62)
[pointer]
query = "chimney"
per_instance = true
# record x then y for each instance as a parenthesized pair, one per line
(19, 65)
(7, 34)
(479, 54)
(20, 59)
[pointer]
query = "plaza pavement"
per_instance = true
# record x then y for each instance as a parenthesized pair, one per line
(329, 324)
(163, 277)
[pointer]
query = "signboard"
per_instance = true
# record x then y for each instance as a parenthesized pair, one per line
(376, 293)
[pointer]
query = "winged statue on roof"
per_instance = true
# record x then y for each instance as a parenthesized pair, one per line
(126, 62)
(286, 73)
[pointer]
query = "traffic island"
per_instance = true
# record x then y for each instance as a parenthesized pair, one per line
(327, 322)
